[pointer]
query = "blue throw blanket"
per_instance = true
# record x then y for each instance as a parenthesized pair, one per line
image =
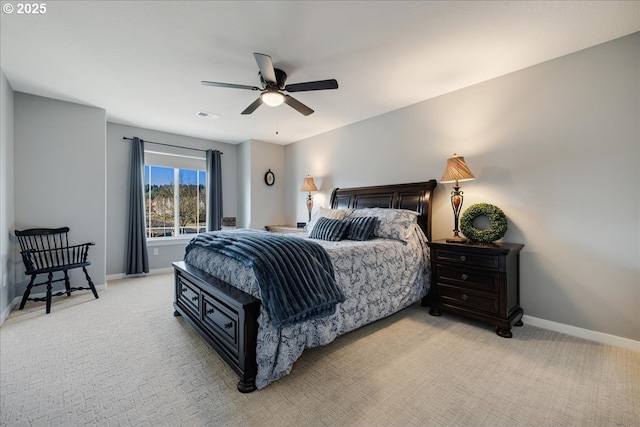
(295, 275)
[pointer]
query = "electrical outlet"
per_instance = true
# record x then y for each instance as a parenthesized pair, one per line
(155, 251)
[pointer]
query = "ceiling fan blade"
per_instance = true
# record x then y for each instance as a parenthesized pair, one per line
(229, 85)
(266, 67)
(251, 108)
(317, 85)
(297, 105)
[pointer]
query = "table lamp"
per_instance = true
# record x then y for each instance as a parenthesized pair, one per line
(308, 186)
(456, 170)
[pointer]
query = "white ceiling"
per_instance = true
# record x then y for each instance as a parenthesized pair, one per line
(142, 61)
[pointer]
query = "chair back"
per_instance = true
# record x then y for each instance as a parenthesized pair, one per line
(43, 248)
(41, 239)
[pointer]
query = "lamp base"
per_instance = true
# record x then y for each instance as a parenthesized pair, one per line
(309, 205)
(457, 239)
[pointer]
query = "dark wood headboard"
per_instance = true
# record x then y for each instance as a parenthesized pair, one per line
(416, 197)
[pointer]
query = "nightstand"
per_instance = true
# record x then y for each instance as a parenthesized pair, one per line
(477, 280)
(284, 229)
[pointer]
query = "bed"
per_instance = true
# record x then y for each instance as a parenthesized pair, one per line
(219, 296)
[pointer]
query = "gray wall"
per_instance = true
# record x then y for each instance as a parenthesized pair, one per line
(260, 204)
(244, 185)
(556, 146)
(59, 174)
(7, 217)
(118, 152)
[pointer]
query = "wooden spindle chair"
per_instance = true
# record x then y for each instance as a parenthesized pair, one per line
(46, 251)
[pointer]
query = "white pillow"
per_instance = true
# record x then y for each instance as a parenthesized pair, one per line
(392, 223)
(322, 212)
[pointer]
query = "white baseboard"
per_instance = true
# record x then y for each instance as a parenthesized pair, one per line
(583, 333)
(5, 313)
(150, 273)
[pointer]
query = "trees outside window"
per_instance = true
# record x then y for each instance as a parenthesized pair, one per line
(175, 201)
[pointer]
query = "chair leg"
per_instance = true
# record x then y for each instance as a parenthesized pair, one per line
(49, 293)
(91, 285)
(27, 292)
(66, 283)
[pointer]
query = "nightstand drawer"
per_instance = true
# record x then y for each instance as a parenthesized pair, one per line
(462, 298)
(469, 278)
(467, 258)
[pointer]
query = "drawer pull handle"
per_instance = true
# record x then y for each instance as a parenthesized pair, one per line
(464, 276)
(465, 297)
(228, 325)
(463, 258)
(210, 311)
(194, 298)
(183, 290)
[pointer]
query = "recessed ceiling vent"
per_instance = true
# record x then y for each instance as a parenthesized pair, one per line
(206, 115)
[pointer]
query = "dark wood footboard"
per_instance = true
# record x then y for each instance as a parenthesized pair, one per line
(226, 317)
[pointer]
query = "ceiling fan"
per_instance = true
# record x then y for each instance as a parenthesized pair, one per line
(272, 80)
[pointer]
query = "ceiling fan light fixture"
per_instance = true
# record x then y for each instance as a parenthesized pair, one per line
(272, 83)
(272, 98)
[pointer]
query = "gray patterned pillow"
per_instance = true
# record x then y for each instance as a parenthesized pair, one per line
(392, 223)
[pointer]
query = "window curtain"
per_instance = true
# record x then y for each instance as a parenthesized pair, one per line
(214, 190)
(137, 256)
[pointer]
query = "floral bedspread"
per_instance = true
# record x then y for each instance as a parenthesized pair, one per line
(378, 278)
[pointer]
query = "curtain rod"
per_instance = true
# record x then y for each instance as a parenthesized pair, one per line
(169, 145)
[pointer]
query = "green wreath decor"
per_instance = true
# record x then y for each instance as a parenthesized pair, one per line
(496, 229)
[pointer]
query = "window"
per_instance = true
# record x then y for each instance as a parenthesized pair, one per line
(175, 201)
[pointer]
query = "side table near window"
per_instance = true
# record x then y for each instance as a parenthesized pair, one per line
(284, 229)
(477, 280)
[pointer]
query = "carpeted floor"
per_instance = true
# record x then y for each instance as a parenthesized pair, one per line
(124, 359)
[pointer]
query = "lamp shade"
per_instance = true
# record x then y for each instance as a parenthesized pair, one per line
(308, 185)
(456, 170)
(272, 97)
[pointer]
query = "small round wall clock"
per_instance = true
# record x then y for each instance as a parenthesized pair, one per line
(269, 178)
